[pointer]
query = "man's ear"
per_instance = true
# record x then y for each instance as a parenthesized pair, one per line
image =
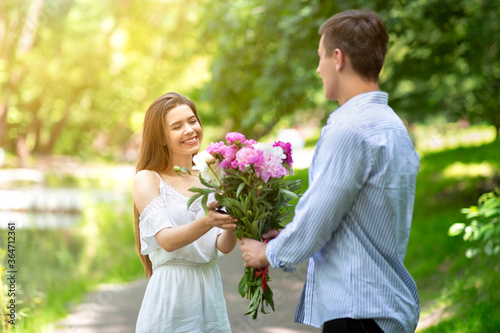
(339, 59)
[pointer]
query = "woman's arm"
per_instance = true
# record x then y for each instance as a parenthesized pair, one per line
(146, 189)
(226, 241)
(172, 239)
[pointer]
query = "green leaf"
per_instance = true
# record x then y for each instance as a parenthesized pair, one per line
(254, 303)
(210, 185)
(488, 248)
(456, 229)
(491, 213)
(468, 233)
(255, 227)
(487, 231)
(201, 190)
(204, 204)
(234, 203)
(242, 285)
(193, 198)
(240, 188)
(248, 200)
(289, 195)
(238, 233)
(268, 296)
(472, 252)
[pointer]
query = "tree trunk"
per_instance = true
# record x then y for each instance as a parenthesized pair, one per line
(58, 127)
(8, 53)
(23, 152)
(30, 26)
(3, 26)
(36, 126)
(4, 107)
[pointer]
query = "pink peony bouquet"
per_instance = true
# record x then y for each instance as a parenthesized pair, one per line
(247, 178)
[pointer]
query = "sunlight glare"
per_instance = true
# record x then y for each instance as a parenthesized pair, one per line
(459, 170)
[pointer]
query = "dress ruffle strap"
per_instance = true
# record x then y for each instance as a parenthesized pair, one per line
(153, 219)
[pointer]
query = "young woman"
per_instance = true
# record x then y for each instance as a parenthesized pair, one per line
(177, 245)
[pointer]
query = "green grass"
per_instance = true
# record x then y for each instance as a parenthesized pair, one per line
(472, 299)
(56, 268)
(448, 181)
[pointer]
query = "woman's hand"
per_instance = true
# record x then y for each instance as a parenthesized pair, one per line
(219, 220)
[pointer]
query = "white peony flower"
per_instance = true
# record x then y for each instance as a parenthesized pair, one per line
(201, 159)
(267, 148)
(210, 177)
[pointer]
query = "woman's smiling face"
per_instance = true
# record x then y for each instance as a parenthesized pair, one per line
(183, 131)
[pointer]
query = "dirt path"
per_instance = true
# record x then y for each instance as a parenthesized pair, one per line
(111, 309)
(114, 308)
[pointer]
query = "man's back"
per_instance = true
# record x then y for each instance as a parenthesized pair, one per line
(362, 186)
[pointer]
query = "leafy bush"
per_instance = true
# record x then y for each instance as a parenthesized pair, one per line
(484, 227)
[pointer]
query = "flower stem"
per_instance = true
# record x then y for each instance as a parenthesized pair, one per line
(216, 177)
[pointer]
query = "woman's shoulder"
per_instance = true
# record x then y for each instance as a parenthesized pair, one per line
(146, 176)
(146, 187)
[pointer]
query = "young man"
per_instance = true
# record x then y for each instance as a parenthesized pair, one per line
(353, 222)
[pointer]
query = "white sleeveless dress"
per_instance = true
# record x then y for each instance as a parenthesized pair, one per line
(184, 294)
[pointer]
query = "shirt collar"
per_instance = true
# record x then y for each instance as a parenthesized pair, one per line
(377, 97)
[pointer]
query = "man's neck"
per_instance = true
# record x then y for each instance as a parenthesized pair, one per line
(356, 86)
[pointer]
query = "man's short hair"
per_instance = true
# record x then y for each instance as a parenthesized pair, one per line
(362, 36)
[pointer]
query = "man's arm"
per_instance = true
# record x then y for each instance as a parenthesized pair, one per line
(342, 165)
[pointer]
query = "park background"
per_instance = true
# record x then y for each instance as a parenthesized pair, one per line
(76, 77)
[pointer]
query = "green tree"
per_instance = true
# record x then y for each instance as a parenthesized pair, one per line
(444, 59)
(77, 76)
(90, 70)
(264, 61)
(18, 27)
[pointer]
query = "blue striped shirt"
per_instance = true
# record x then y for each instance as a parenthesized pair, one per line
(353, 222)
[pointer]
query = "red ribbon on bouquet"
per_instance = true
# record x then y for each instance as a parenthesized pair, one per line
(262, 272)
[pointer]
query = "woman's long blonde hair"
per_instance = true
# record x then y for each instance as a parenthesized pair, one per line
(154, 153)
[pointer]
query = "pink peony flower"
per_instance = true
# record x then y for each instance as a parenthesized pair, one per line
(287, 150)
(229, 157)
(271, 166)
(216, 147)
(250, 142)
(234, 137)
(247, 156)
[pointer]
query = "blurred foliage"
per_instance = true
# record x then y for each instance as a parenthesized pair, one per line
(76, 76)
(86, 69)
(448, 281)
(484, 226)
(264, 57)
(443, 59)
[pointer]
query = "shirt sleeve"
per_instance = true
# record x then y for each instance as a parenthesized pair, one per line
(341, 167)
(153, 219)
